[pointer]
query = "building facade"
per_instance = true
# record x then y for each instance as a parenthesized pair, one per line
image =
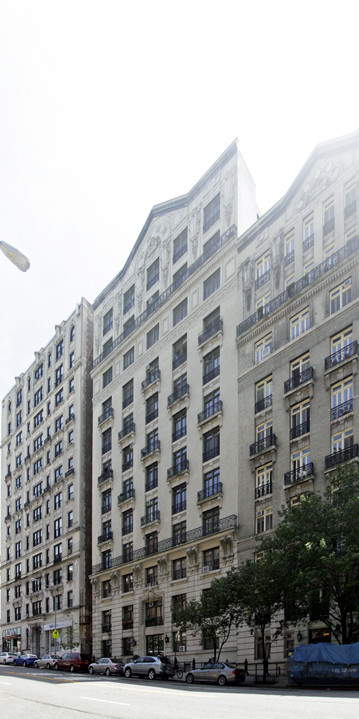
(46, 471)
(224, 385)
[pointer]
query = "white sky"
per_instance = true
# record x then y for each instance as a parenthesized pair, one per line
(108, 107)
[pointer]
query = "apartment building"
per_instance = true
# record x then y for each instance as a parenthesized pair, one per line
(46, 471)
(165, 458)
(225, 363)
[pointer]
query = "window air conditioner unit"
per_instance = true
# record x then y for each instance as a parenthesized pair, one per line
(266, 351)
(206, 569)
(260, 513)
(182, 648)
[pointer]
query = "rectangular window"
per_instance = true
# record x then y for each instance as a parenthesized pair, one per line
(107, 321)
(59, 349)
(179, 568)
(180, 245)
(179, 425)
(128, 299)
(211, 444)
(152, 407)
(180, 276)
(300, 419)
(342, 395)
(106, 440)
(340, 296)
(328, 216)
(308, 233)
(180, 312)
(211, 213)
(212, 245)
(179, 352)
(179, 498)
(179, 533)
(263, 393)
(59, 397)
(152, 336)
(211, 284)
(210, 521)
(127, 521)
(128, 358)
(127, 394)
(289, 248)
(151, 476)
(210, 559)
(263, 348)
(263, 481)
(211, 483)
(153, 274)
(107, 377)
(263, 265)
(350, 199)
(211, 365)
(128, 326)
(264, 520)
(342, 440)
(300, 323)
(38, 396)
(59, 375)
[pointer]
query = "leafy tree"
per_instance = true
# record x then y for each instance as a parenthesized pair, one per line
(213, 615)
(316, 551)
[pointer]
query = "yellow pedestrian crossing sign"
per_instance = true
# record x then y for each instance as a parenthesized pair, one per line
(55, 634)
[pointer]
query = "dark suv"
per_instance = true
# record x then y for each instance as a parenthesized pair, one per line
(73, 661)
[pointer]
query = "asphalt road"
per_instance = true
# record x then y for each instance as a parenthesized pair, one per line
(42, 694)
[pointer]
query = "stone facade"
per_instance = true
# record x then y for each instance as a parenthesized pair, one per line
(46, 494)
(224, 373)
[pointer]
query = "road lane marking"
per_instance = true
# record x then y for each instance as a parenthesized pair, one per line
(105, 701)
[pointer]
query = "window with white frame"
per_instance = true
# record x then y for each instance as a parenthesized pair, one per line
(308, 232)
(300, 419)
(263, 390)
(341, 344)
(328, 216)
(300, 323)
(341, 295)
(264, 520)
(342, 395)
(300, 460)
(289, 248)
(263, 265)
(263, 348)
(263, 480)
(264, 430)
(262, 304)
(342, 440)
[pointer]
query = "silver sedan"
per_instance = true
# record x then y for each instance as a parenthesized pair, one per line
(216, 672)
(106, 666)
(47, 661)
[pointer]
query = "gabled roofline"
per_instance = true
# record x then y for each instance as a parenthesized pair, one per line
(323, 149)
(168, 206)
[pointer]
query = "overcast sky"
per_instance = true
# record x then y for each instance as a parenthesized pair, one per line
(108, 107)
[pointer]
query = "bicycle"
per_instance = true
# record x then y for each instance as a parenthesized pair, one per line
(179, 672)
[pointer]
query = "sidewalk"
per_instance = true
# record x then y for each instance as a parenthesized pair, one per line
(273, 682)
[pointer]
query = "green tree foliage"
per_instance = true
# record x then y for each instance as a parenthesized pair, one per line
(213, 615)
(316, 551)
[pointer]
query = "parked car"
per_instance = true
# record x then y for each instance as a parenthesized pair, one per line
(7, 658)
(106, 666)
(216, 672)
(151, 667)
(47, 660)
(26, 660)
(73, 661)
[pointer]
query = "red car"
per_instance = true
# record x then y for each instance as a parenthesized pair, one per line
(73, 661)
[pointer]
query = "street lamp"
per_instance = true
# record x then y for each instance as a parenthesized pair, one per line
(15, 256)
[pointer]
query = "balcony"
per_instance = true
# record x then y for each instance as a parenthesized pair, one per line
(342, 455)
(350, 209)
(154, 446)
(209, 492)
(209, 376)
(129, 429)
(262, 280)
(341, 355)
(106, 537)
(263, 490)
(341, 409)
(213, 409)
(298, 379)
(153, 516)
(210, 453)
(179, 506)
(299, 429)
(180, 393)
(179, 359)
(108, 474)
(299, 474)
(295, 288)
(153, 621)
(178, 468)
(268, 442)
(213, 329)
(263, 403)
(124, 496)
(151, 377)
(127, 624)
(108, 414)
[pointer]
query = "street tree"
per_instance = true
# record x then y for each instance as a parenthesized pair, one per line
(213, 615)
(316, 551)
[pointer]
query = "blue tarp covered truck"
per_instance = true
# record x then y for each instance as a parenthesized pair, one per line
(324, 664)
